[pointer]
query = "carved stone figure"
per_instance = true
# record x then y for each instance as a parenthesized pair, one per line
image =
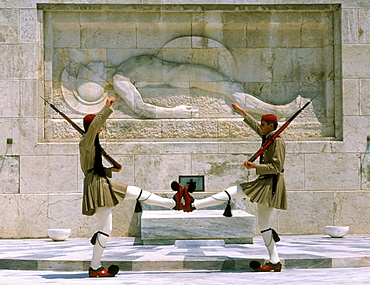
(89, 87)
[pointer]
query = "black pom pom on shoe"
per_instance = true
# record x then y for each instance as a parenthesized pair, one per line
(192, 186)
(175, 186)
(113, 269)
(254, 264)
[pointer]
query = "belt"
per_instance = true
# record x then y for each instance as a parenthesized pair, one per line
(274, 182)
(88, 171)
(265, 176)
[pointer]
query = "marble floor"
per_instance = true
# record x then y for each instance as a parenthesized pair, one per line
(296, 252)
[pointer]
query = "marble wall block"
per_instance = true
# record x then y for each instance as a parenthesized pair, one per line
(110, 35)
(192, 148)
(24, 216)
(355, 132)
(61, 39)
(365, 171)
(9, 32)
(326, 171)
(9, 98)
(351, 102)
(126, 175)
(24, 54)
(350, 26)
(294, 169)
(125, 220)
(9, 174)
(355, 61)
(28, 106)
(153, 172)
(364, 98)
(4, 147)
(48, 174)
(363, 25)
(351, 210)
(65, 212)
(221, 171)
(28, 18)
(6, 71)
(308, 212)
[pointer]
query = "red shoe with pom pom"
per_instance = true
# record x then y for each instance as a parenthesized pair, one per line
(102, 272)
(276, 267)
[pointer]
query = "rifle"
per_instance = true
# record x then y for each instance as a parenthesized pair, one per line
(81, 131)
(267, 144)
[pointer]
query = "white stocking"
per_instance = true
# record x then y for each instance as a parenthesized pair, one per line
(149, 198)
(104, 221)
(264, 216)
(219, 198)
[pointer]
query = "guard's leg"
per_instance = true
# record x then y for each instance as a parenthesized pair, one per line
(269, 238)
(104, 224)
(219, 198)
(149, 198)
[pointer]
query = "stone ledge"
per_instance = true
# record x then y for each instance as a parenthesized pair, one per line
(165, 227)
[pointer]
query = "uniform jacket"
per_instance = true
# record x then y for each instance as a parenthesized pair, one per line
(260, 190)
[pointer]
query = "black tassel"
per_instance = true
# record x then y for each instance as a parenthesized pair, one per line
(93, 239)
(227, 212)
(275, 236)
(138, 208)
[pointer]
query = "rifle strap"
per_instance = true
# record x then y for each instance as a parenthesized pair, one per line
(263, 142)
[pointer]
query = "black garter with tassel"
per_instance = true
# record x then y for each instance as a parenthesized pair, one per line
(227, 212)
(95, 237)
(138, 208)
(275, 236)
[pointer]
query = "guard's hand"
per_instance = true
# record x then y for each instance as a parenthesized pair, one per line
(110, 101)
(115, 169)
(249, 164)
(238, 109)
(235, 106)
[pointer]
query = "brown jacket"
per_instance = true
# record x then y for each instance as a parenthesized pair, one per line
(98, 191)
(261, 190)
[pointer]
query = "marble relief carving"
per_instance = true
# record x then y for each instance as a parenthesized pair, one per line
(85, 90)
(171, 86)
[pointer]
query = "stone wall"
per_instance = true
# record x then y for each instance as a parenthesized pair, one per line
(269, 56)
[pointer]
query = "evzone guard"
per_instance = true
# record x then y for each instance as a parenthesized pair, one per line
(100, 194)
(268, 190)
